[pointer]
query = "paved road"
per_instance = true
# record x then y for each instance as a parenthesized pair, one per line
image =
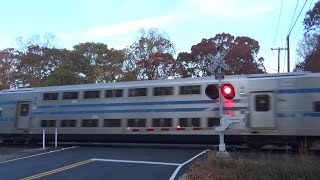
(100, 163)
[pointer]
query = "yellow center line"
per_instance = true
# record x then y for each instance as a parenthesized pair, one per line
(58, 170)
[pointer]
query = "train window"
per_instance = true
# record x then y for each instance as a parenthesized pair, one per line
(162, 91)
(50, 96)
(137, 92)
(213, 122)
(162, 122)
(114, 93)
(190, 89)
(183, 122)
(262, 102)
(68, 123)
(136, 122)
(91, 94)
(89, 123)
(70, 95)
(189, 122)
(112, 123)
(48, 123)
(316, 106)
(195, 122)
(24, 109)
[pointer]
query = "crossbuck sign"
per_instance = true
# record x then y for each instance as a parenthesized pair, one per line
(217, 62)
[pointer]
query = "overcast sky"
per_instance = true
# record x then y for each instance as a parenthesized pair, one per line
(117, 22)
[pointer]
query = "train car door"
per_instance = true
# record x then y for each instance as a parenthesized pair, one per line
(262, 110)
(23, 115)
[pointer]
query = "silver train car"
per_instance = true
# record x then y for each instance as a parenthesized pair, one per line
(279, 109)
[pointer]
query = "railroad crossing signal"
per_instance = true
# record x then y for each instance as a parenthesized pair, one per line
(215, 92)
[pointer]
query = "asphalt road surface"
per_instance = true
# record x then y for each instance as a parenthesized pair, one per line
(97, 163)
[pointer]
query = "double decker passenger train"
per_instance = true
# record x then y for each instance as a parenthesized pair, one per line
(278, 108)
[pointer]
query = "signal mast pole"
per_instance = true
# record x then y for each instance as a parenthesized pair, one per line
(222, 145)
(220, 98)
(219, 75)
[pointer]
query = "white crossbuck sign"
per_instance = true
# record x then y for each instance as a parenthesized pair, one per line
(217, 61)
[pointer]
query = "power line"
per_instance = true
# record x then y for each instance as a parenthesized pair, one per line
(311, 2)
(288, 36)
(294, 13)
(275, 37)
(297, 18)
(271, 68)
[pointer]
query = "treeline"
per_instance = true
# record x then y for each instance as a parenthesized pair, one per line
(309, 46)
(152, 56)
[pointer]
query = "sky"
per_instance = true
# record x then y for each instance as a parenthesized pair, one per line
(186, 22)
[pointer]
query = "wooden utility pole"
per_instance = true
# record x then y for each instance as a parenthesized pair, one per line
(279, 56)
(288, 53)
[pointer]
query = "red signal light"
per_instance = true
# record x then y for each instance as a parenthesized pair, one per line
(212, 91)
(227, 91)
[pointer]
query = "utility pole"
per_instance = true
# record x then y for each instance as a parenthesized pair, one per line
(278, 56)
(288, 53)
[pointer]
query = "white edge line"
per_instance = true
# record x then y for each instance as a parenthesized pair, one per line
(180, 166)
(37, 154)
(141, 162)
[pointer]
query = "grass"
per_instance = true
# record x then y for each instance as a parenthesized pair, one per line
(255, 166)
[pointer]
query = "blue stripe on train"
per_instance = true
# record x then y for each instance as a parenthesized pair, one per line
(279, 115)
(6, 119)
(133, 104)
(125, 104)
(140, 110)
(8, 103)
(297, 91)
(298, 114)
(122, 111)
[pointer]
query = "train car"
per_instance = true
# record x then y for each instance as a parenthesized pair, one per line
(278, 108)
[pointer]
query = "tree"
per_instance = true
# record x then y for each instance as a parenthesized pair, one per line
(151, 57)
(35, 65)
(95, 63)
(35, 59)
(241, 56)
(64, 75)
(312, 19)
(309, 46)
(7, 58)
(45, 41)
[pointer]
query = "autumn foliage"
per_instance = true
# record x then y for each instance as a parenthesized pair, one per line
(309, 46)
(241, 56)
(152, 56)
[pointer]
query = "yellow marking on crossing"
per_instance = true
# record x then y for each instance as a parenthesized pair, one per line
(58, 170)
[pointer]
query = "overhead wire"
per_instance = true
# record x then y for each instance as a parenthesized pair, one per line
(275, 37)
(309, 8)
(294, 13)
(297, 17)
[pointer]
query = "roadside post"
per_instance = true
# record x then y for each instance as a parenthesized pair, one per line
(43, 138)
(56, 137)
